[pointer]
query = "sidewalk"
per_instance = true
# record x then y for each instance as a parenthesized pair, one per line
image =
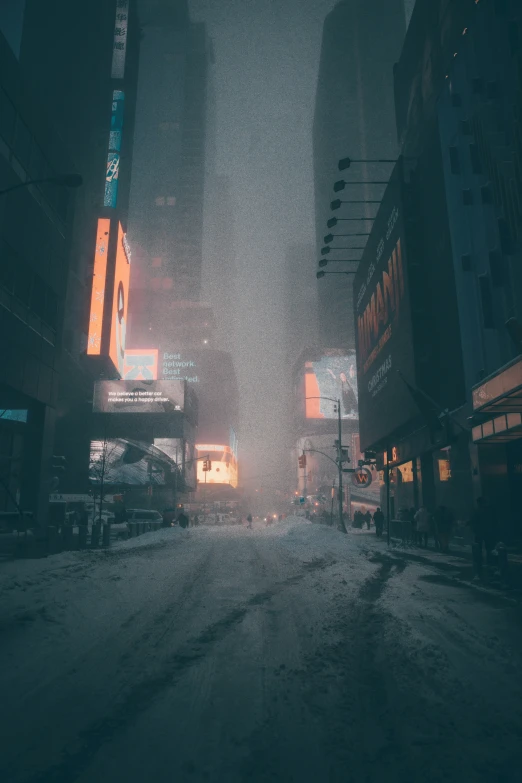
(458, 563)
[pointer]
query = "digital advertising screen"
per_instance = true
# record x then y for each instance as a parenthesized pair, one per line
(120, 301)
(333, 376)
(140, 364)
(98, 287)
(113, 155)
(223, 465)
(138, 396)
(128, 462)
(383, 326)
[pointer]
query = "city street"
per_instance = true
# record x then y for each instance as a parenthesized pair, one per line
(289, 653)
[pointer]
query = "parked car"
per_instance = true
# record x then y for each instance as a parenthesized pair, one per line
(145, 515)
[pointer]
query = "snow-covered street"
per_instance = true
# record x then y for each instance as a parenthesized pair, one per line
(225, 655)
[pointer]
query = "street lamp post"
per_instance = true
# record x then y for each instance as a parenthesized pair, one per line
(334, 220)
(66, 180)
(339, 463)
(330, 237)
(321, 273)
(336, 203)
(345, 163)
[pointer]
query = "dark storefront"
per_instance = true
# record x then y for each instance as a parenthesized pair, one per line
(497, 403)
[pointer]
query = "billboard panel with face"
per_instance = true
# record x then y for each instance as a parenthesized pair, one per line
(113, 156)
(383, 323)
(128, 462)
(98, 287)
(138, 396)
(333, 376)
(120, 303)
(223, 465)
(140, 364)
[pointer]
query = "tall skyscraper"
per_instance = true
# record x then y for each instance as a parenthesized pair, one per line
(354, 117)
(166, 214)
(220, 266)
(300, 300)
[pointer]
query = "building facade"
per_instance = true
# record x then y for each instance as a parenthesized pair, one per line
(35, 234)
(167, 196)
(354, 116)
(92, 100)
(439, 348)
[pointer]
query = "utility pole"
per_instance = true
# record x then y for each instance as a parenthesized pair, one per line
(342, 526)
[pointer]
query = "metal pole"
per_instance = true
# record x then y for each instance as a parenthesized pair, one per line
(388, 494)
(331, 509)
(340, 465)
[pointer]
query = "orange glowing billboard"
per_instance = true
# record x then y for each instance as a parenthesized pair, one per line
(224, 465)
(120, 301)
(98, 287)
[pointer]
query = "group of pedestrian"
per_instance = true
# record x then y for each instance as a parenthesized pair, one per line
(426, 523)
(360, 519)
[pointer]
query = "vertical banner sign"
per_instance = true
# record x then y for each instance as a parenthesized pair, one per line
(119, 48)
(98, 287)
(120, 303)
(113, 157)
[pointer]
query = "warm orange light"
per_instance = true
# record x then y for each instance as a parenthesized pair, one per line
(98, 287)
(313, 407)
(120, 301)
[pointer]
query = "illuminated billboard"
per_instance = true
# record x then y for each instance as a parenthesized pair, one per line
(98, 287)
(224, 465)
(333, 376)
(138, 396)
(120, 300)
(383, 323)
(140, 364)
(130, 462)
(113, 155)
(119, 46)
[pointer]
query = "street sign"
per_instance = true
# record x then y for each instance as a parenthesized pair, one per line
(362, 477)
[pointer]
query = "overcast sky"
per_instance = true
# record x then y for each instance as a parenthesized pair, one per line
(267, 56)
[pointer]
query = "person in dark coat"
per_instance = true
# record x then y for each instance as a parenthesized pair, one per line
(444, 525)
(483, 524)
(378, 518)
(368, 519)
(183, 520)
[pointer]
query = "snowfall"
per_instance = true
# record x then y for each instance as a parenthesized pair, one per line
(292, 653)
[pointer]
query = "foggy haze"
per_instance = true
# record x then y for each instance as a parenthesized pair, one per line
(267, 57)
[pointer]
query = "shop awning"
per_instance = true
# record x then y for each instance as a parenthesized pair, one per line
(500, 429)
(501, 392)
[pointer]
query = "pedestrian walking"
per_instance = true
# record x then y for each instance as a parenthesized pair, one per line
(378, 518)
(413, 525)
(422, 519)
(183, 520)
(443, 525)
(249, 520)
(483, 525)
(368, 519)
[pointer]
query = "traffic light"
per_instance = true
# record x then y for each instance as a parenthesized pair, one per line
(302, 461)
(207, 465)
